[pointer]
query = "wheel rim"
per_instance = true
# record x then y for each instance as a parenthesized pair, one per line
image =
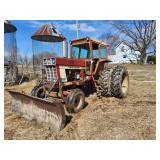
(41, 92)
(125, 84)
(78, 101)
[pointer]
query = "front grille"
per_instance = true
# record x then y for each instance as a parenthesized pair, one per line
(51, 73)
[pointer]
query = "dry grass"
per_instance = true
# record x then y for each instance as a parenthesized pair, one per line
(109, 118)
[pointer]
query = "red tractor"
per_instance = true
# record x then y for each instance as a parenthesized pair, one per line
(68, 80)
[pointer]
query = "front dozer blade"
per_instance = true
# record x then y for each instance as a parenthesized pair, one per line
(43, 111)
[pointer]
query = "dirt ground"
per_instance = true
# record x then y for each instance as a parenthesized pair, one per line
(108, 118)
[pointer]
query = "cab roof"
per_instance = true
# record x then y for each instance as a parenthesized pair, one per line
(87, 39)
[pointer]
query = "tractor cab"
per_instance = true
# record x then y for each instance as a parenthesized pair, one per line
(88, 48)
(93, 51)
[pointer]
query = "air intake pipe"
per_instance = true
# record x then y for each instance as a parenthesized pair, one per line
(65, 48)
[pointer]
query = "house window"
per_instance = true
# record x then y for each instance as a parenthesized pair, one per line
(122, 49)
(124, 56)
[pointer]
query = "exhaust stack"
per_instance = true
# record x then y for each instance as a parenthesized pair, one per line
(65, 48)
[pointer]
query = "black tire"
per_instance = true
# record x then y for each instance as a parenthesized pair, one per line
(75, 101)
(119, 82)
(39, 92)
(104, 81)
(33, 92)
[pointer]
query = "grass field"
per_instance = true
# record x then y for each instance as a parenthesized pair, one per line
(109, 118)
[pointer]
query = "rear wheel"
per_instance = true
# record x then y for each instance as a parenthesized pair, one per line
(104, 81)
(75, 100)
(119, 82)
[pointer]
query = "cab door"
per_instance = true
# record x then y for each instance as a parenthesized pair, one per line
(102, 54)
(95, 56)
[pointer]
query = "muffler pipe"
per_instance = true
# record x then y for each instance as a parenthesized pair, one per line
(65, 48)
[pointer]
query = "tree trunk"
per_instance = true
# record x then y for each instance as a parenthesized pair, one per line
(143, 57)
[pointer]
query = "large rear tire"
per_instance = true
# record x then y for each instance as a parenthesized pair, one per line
(119, 82)
(75, 101)
(104, 81)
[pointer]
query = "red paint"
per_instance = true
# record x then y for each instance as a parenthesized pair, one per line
(58, 72)
(71, 62)
(81, 62)
(82, 73)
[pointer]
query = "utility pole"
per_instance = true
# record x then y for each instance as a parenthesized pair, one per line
(78, 28)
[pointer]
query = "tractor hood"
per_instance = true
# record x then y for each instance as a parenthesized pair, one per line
(59, 61)
(70, 62)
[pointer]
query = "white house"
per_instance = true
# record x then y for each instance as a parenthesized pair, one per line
(124, 54)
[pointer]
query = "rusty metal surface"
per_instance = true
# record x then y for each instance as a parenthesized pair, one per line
(41, 110)
(87, 40)
(48, 33)
(8, 27)
(78, 82)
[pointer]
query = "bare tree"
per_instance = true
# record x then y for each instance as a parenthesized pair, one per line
(24, 61)
(27, 62)
(112, 40)
(154, 47)
(140, 35)
(20, 61)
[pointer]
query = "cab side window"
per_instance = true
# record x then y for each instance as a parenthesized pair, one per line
(95, 48)
(95, 53)
(103, 52)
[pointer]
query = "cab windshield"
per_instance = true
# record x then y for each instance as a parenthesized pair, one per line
(81, 51)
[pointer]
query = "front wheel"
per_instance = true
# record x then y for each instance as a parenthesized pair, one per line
(39, 92)
(75, 100)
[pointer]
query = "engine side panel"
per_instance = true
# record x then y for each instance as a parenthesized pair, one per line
(71, 62)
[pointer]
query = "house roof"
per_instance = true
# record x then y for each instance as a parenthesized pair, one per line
(127, 44)
(121, 43)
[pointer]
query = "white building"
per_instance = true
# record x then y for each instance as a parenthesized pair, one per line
(124, 54)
